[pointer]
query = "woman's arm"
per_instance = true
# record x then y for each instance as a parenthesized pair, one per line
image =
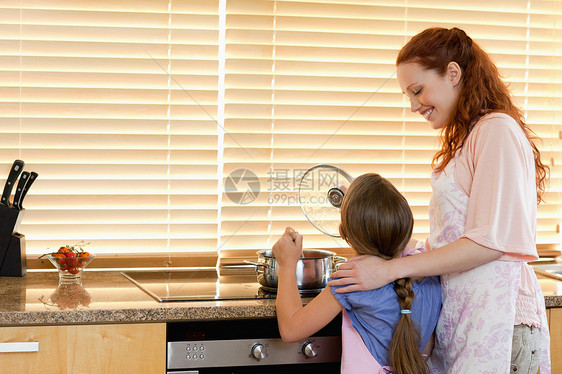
(369, 272)
(295, 321)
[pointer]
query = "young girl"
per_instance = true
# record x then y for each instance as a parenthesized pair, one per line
(384, 329)
(486, 182)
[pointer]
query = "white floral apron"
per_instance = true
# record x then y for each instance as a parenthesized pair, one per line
(475, 328)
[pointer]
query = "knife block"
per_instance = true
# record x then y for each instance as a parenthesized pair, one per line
(12, 243)
(14, 264)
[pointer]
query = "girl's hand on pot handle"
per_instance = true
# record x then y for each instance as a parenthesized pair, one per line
(288, 249)
(361, 273)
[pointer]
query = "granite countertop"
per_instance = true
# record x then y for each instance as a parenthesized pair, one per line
(107, 297)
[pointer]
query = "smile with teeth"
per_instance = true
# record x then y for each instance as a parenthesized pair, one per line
(426, 113)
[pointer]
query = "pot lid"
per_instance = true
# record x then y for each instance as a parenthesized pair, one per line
(321, 191)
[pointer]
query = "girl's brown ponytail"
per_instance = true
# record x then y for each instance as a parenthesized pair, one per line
(377, 220)
(405, 357)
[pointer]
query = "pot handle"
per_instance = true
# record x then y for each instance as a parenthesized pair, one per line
(256, 263)
(338, 260)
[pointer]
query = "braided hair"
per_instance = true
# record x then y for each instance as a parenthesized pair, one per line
(405, 357)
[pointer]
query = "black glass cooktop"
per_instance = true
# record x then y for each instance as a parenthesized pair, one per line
(196, 285)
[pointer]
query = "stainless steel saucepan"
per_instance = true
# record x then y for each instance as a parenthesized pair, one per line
(313, 269)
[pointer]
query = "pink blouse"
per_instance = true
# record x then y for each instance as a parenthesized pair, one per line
(496, 169)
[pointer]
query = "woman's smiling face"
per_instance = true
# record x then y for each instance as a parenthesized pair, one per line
(431, 95)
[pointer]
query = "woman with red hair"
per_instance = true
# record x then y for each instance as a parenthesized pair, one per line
(487, 181)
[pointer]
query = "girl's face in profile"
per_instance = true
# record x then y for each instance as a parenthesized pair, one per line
(431, 95)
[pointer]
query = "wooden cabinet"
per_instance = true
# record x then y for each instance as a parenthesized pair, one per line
(555, 325)
(119, 348)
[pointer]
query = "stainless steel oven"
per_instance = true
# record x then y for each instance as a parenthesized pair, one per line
(249, 346)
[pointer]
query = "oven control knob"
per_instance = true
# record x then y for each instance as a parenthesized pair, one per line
(309, 349)
(258, 351)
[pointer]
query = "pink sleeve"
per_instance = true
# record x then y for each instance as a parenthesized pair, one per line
(496, 169)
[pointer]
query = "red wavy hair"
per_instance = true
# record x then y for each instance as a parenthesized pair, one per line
(434, 49)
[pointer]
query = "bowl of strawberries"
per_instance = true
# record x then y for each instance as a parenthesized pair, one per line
(70, 261)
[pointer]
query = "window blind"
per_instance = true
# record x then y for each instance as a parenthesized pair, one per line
(310, 82)
(154, 134)
(114, 104)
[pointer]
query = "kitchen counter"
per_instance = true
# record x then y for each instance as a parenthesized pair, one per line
(107, 297)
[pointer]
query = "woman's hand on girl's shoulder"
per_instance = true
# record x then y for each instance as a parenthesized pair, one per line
(288, 249)
(361, 273)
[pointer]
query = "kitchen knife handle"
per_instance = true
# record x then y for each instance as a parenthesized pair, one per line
(19, 189)
(32, 177)
(15, 171)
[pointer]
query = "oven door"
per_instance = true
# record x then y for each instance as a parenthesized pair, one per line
(249, 346)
